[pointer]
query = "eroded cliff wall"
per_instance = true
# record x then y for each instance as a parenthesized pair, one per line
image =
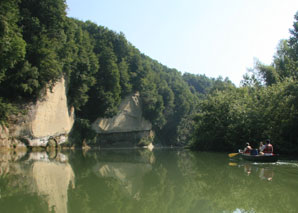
(128, 119)
(126, 128)
(48, 118)
(51, 116)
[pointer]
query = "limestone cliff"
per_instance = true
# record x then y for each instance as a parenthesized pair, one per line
(4, 136)
(52, 118)
(51, 114)
(128, 119)
(48, 118)
(126, 128)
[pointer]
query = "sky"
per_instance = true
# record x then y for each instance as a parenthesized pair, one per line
(211, 37)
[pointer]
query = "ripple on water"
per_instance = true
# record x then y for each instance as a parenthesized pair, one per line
(287, 163)
(279, 163)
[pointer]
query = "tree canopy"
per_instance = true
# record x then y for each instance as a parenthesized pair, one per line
(264, 107)
(39, 44)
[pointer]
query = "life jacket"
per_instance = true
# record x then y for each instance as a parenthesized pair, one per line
(247, 151)
(268, 148)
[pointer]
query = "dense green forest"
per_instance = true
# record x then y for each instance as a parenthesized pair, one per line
(39, 44)
(265, 106)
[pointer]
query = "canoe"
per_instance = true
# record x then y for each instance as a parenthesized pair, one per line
(260, 158)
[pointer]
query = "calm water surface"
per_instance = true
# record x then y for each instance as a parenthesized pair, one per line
(163, 180)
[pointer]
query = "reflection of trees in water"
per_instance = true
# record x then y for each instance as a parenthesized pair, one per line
(168, 187)
(261, 191)
(178, 181)
(143, 181)
(38, 179)
(109, 180)
(129, 175)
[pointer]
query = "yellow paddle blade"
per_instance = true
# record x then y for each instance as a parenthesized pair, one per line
(233, 154)
(232, 164)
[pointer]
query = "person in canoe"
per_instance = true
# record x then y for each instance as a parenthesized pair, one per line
(261, 148)
(268, 150)
(247, 149)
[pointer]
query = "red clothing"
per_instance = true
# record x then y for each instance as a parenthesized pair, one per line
(247, 150)
(268, 149)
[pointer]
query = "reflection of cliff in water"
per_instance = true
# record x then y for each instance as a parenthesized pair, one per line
(39, 175)
(129, 175)
(126, 155)
(128, 169)
(165, 180)
(52, 180)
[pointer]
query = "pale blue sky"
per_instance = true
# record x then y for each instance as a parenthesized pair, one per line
(211, 37)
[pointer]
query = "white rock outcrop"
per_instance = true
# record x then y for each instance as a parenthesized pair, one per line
(51, 116)
(128, 119)
(4, 136)
(48, 117)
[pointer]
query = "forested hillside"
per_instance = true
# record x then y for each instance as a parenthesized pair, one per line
(265, 106)
(39, 44)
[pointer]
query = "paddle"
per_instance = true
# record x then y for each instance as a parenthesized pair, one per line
(233, 154)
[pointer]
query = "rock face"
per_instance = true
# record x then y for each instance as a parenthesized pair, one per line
(52, 118)
(128, 119)
(52, 115)
(126, 128)
(4, 137)
(48, 118)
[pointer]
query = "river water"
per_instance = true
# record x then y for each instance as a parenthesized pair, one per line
(137, 180)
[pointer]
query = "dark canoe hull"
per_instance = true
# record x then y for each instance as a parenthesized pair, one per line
(260, 158)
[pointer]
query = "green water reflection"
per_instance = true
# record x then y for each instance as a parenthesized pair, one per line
(164, 180)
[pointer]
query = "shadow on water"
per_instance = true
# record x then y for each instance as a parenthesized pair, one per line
(138, 180)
